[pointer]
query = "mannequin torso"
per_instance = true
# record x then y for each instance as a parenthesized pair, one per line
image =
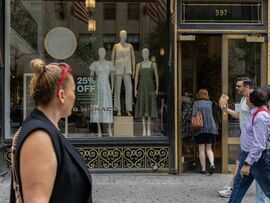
(122, 60)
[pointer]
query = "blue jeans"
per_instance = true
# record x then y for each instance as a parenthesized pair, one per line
(260, 170)
(260, 196)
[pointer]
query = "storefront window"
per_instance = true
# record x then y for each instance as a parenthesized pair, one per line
(133, 11)
(61, 31)
(109, 11)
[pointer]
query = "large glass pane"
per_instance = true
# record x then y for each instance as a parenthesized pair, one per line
(244, 61)
(34, 32)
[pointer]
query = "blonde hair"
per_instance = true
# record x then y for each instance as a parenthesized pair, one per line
(44, 81)
(202, 94)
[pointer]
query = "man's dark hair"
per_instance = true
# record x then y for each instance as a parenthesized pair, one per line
(266, 89)
(248, 82)
(258, 97)
(242, 79)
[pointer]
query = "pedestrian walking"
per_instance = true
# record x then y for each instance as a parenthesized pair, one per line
(243, 86)
(46, 166)
(205, 137)
(254, 159)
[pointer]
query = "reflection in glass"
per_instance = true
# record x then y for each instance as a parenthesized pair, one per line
(233, 151)
(31, 20)
(244, 61)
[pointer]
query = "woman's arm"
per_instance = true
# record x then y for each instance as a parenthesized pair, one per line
(233, 113)
(194, 109)
(38, 166)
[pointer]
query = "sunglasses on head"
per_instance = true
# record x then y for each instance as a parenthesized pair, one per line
(66, 69)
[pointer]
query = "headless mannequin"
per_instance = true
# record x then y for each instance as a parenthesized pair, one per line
(146, 63)
(102, 53)
(124, 60)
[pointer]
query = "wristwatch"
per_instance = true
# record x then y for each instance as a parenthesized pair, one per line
(246, 164)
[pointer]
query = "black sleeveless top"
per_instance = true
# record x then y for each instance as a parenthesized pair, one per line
(73, 181)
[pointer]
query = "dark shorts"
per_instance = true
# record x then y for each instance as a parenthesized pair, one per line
(205, 138)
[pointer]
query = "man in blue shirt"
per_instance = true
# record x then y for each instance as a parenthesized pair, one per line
(254, 160)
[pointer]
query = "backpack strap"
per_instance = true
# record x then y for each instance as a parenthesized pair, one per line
(258, 111)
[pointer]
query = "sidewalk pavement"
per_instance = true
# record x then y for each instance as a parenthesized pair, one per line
(152, 188)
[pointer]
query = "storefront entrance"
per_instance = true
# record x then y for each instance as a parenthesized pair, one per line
(214, 62)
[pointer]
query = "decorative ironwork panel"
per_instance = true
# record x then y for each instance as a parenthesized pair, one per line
(120, 157)
(125, 157)
(134, 158)
(158, 158)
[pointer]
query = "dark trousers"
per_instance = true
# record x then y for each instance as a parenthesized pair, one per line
(260, 171)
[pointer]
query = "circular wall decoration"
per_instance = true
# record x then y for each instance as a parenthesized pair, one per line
(60, 43)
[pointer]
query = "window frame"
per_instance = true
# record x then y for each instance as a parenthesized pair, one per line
(106, 7)
(137, 9)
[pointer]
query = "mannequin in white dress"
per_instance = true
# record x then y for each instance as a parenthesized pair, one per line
(123, 59)
(147, 78)
(102, 109)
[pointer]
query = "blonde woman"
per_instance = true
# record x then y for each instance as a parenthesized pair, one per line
(48, 167)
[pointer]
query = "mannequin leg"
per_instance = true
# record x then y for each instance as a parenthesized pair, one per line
(144, 128)
(149, 126)
(110, 130)
(99, 130)
(117, 94)
(128, 90)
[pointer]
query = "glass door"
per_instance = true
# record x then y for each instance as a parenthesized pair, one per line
(242, 56)
(200, 68)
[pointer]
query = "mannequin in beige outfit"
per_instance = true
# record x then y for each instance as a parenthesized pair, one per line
(123, 59)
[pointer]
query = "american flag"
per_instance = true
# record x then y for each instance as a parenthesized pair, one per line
(79, 11)
(156, 9)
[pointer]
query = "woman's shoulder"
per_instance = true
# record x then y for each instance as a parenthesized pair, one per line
(36, 121)
(202, 101)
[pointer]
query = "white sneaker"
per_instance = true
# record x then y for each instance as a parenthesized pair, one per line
(226, 187)
(226, 192)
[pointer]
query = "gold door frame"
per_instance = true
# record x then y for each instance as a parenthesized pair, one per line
(226, 140)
